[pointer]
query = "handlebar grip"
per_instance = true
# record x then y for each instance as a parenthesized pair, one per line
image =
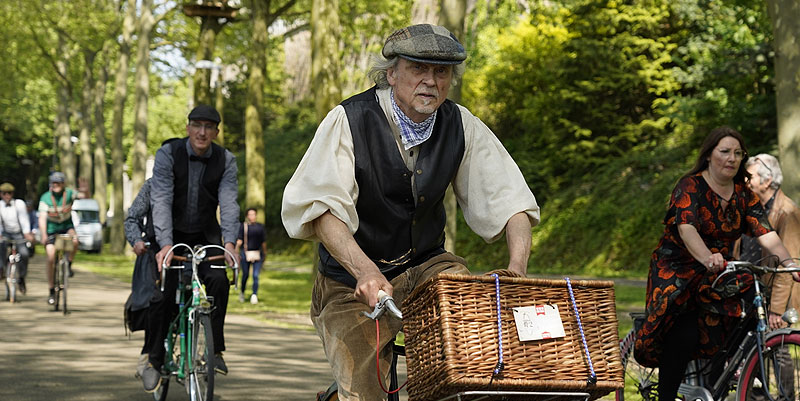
(382, 294)
(180, 258)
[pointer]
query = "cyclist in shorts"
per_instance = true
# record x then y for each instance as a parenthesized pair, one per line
(55, 217)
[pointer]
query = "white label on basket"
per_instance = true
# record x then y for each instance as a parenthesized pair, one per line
(538, 322)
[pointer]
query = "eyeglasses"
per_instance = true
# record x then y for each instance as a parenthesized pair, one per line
(765, 165)
(737, 154)
(198, 126)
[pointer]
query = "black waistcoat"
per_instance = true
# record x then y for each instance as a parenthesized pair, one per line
(394, 231)
(208, 194)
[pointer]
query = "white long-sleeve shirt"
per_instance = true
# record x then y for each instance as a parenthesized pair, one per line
(489, 186)
(14, 216)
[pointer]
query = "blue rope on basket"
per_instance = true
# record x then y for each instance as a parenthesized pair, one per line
(499, 367)
(592, 375)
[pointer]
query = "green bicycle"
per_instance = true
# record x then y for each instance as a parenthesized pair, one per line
(190, 355)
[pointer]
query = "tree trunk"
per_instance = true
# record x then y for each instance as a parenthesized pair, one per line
(785, 15)
(220, 106)
(325, 55)
(117, 156)
(255, 165)
(63, 132)
(450, 14)
(85, 137)
(100, 172)
(425, 12)
(209, 28)
(142, 82)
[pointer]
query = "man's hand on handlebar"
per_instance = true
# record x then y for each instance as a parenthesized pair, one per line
(368, 285)
(232, 249)
(160, 257)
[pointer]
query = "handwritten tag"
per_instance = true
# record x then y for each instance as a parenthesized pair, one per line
(538, 322)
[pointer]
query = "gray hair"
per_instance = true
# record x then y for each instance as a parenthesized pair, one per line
(768, 167)
(380, 66)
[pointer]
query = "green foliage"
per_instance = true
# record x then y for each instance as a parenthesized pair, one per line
(724, 65)
(600, 102)
(287, 139)
(606, 225)
(581, 83)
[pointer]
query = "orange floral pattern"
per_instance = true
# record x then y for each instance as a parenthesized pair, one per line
(678, 283)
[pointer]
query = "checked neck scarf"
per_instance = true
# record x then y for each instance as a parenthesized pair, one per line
(411, 133)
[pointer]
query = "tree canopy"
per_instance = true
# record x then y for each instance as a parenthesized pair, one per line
(602, 103)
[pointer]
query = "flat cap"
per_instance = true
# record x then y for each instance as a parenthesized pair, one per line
(425, 43)
(6, 187)
(204, 112)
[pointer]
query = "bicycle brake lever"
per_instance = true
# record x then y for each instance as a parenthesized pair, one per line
(728, 269)
(385, 301)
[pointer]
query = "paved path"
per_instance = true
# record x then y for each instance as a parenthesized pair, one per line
(85, 355)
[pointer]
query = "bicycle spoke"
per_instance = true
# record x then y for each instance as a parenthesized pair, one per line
(781, 371)
(202, 355)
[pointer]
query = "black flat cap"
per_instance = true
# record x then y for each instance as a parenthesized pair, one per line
(425, 43)
(204, 112)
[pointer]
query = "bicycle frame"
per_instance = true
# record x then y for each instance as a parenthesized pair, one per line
(181, 327)
(753, 339)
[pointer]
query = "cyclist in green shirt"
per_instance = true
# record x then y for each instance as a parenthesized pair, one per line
(55, 217)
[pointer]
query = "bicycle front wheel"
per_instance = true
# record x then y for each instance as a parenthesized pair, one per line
(639, 380)
(11, 282)
(201, 377)
(781, 370)
(64, 283)
(58, 268)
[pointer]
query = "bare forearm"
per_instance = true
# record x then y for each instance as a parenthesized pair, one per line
(343, 247)
(773, 244)
(43, 227)
(518, 237)
(333, 233)
(698, 249)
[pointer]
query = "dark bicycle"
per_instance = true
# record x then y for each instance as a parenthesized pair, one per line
(11, 271)
(759, 365)
(64, 247)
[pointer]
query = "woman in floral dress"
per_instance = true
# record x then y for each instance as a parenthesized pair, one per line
(710, 208)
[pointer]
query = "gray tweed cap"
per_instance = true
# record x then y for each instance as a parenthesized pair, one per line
(425, 43)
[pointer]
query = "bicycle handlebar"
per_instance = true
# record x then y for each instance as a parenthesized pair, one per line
(180, 258)
(738, 265)
(198, 256)
(385, 302)
(14, 241)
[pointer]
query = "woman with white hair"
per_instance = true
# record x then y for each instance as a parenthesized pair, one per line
(784, 217)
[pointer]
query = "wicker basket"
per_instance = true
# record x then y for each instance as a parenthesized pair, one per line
(450, 325)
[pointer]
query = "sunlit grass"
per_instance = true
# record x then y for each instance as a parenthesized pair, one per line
(284, 284)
